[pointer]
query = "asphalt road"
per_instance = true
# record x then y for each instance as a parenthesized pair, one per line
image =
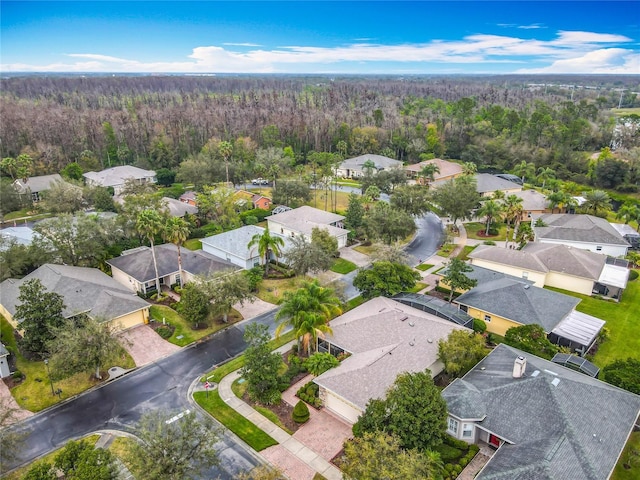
(119, 404)
(429, 236)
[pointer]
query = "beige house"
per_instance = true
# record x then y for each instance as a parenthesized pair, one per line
(383, 338)
(85, 291)
(554, 265)
(446, 170)
(534, 204)
(302, 221)
(356, 167)
(116, 177)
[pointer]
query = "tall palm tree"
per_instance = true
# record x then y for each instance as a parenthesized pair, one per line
(267, 243)
(428, 172)
(555, 200)
(597, 201)
(525, 170)
(629, 212)
(176, 231)
(512, 211)
(544, 174)
(311, 327)
(306, 309)
(226, 149)
(490, 210)
(149, 223)
(469, 168)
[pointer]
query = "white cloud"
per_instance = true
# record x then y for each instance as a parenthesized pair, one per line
(533, 26)
(569, 52)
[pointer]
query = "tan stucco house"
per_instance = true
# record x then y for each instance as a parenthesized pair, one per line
(302, 221)
(85, 291)
(446, 170)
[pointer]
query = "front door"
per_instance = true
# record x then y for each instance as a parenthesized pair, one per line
(494, 441)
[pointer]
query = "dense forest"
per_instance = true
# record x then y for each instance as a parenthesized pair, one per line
(161, 121)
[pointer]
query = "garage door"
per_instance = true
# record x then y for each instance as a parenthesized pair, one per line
(341, 408)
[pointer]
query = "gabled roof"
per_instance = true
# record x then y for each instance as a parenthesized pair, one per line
(507, 256)
(385, 339)
(234, 242)
(558, 423)
(190, 195)
(484, 275)
(138, 263)
(84, 290)
(114, 176)
(490, 183)
(37, 184)
(446, 168)
(578, 228)
(519, 301)
(381, 162)
(532, 200)
(304, 219)
(177, 208)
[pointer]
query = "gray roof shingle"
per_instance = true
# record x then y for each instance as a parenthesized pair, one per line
(558, 424)
(521, 302)
(84, 290)
(37, 184)
(138, 264)
(578, 228)
(381, 162)
(115, 176)
(490, 183)
(235, 241)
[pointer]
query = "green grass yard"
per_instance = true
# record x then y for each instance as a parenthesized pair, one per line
(343, 266)
(193, 244)
(633, 473)
(474, 228)
(466, 250)
(423, 267)
(622, 323)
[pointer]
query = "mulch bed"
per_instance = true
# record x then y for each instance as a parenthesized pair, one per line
(283, 410)
(483, 234)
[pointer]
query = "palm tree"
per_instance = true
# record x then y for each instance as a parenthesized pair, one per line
(306, 310)
(226, 149)
(490, 209)
(469, 168)
(525, 170)
(628, 212)
(427, 172)
(513, 210)
(555, 199)
(597, 200)
(368, 167)
(267, 243)
(149, 223)
(176, 231)
(498, 195)
(545, 174)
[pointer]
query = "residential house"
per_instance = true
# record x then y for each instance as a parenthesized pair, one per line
(581, 231)
(247, 200)
(383, 338)
(18, 235)
(176, 208)
(85, 291)
(189, 197)
(134, 268)
(355, 167)
(5, 371)
(545, 421)
(631, 236)
(446, 170)
(511, 302)
(534, 204)
(487, 185)
(116, 177)
(35, 186)
(302, 221)
(556, 265)
(231, 246)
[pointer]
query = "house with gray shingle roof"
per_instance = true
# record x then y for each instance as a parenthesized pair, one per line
(231, 246)
(487, 184)
(34, 186)
(302, 221)
(134, 268)
(84, 291)
(176, 208)
(116, 177)
(556, 265)
(354, 167)
(384, 338)
(581, 231)
(511, 302)
(546, 422)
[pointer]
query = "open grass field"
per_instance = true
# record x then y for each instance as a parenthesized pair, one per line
(272, 289)
(183, 328)
(622, 323)
(34, 392)
(474, 228)
(621, 112)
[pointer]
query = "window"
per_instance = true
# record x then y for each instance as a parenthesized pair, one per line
(599, 248)
(467, 430)
(453, 426)
(487, 318)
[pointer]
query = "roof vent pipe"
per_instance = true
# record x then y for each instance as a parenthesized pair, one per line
(519, 367)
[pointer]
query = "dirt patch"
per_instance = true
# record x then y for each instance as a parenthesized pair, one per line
(484, 234)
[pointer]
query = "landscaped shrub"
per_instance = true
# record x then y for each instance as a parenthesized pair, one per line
(309, 393)
(633, 274)
(164, 331)
(488, 242)
(17, 375)
(250, 220)
(300, 412)
(479, 325)
(318, 363)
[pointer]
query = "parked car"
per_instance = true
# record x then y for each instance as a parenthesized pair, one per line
(260, 181)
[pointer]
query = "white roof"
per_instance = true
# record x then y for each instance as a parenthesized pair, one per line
(117, 175)
(579, 327)
(624, 229)
(614, 276)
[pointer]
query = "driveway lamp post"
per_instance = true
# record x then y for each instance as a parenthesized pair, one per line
(46, 364)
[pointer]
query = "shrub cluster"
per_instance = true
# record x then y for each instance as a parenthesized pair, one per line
(309, 393)
(452, 470)
(300, 412)
(295, 367)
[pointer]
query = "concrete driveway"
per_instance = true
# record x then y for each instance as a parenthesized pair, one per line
(253, 309)
(145, 345)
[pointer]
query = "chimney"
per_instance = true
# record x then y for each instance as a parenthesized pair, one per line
(519, 367)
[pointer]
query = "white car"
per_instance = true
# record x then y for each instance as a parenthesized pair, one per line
(260, 181)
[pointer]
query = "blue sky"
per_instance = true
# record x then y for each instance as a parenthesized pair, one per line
(336, 37)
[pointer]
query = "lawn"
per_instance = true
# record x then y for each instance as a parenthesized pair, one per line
(318, 198)
(193, 244)
(474, 228)
(353, 303)
(633, 473)
(272, 289)
(343, 266)
(34, 393)
(423, 267)
(466, 250)
(247, 431)
(418, 286)
(622, 323)
(446, 250)
(183, 328)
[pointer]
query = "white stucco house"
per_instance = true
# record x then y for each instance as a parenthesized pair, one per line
(116, 177)
(355, 167)
(302, 221)
(581, 231)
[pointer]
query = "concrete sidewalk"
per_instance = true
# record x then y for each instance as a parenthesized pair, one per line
(305, 455)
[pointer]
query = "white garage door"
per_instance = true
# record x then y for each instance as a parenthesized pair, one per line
(341, 408)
